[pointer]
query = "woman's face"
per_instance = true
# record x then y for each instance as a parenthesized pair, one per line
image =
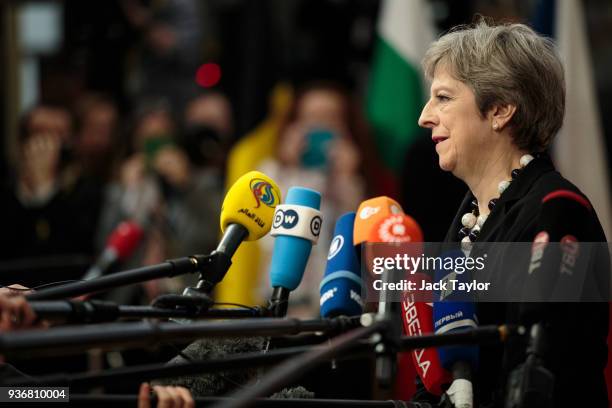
(460, 133)
(96, 136)
(321, 108)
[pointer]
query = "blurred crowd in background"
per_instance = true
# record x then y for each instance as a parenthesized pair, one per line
(146, 110)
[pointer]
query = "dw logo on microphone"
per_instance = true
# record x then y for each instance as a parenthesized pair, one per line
(287, 219)
(315, 226)
(335, 247)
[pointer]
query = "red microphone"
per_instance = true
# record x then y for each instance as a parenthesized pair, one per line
(417, 316)
(418, 320)
(120, 245)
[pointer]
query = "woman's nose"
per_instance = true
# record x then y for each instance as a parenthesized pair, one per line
(427, 118)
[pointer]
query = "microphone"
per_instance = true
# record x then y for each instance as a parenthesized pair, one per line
(395, 229)
(556, 272)
(453, 312)
(120, 245)
(369, 213)
(418, 320)
(341, 286)
(531, 384)
(560, 272)
(246, 215)
(296, 227)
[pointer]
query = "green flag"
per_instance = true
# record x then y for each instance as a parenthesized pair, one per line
(395, 95)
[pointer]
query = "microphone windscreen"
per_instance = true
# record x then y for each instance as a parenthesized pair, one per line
(297, 225)
(370, 213)
(250, 202)
(341, 286)
(218, 383)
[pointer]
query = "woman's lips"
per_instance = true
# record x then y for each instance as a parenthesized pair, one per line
(438, 139)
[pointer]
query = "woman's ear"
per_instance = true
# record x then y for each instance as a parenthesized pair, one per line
(500, 116)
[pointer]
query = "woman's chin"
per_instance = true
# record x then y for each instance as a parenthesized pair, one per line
(446, 165)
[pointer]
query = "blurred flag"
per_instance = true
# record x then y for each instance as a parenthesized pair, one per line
(241, 282)
(579, 149)
(396, 95)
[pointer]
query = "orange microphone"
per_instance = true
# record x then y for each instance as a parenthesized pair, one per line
(370, 213)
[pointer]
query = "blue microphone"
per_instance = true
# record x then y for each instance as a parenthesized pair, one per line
(340, 288)
(296, 227)
(455, 310)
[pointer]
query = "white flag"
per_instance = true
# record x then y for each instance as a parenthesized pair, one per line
(579, 150)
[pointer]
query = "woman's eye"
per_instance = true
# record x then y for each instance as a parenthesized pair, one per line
(443, 98)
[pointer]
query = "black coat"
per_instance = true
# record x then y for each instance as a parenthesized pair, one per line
(578, 331)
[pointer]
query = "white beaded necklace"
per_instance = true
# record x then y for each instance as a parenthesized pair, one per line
(473, 221)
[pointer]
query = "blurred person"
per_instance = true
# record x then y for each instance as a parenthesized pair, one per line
(48, 207)
(322, 146)
(159, 187)
(50, 210)
(136, 193)
(170, 48)
(208, 128)
(97, 142)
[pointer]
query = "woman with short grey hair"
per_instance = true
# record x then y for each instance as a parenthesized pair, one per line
(497, 99)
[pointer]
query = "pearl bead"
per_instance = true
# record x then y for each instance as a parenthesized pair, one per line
(466, 245)
(492, 203)
(468, 220)
(481, 220)
(515, 173)
(502, 186)
(525, 159)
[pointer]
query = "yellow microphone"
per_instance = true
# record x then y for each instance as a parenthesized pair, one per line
(246, 215)
(250, 203)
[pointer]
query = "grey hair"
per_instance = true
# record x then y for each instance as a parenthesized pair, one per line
(507, 64)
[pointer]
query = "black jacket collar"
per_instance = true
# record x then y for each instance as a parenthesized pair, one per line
(518, 189)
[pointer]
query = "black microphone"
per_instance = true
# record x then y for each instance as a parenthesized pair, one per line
(559, 270)
(531, 385)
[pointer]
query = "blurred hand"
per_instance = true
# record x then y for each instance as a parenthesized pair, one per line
(167, 397)
(173, 165)
(15, 313)
(292, 145)
(15, 290)
(133, 171)
(40, 164)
